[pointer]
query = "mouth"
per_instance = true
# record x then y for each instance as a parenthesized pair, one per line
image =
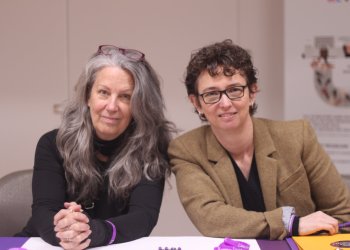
(228, 114)
(110, 119)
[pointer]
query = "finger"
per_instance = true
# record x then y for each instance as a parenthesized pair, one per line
(73, 206)
(67, 236)
(60, 215)
(79, 241)
(68, 204)
(64, 224)
(84, 245)
(79, 227)
(333, 229)
(74, 246)
(67, 245)
(81, 237)
(79, 217)
(71, 236)
(75, 227)
(76, 221)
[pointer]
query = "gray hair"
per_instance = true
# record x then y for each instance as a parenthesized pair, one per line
(144, 152)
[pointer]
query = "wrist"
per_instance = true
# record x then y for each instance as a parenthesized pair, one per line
(295, 226)
(288, 216)
(114, 232)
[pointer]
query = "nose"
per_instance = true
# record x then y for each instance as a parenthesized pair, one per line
(225, 101)
(113, 104)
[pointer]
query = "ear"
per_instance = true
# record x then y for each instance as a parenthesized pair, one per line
(195, 102)
(252, 93)
(88, 103)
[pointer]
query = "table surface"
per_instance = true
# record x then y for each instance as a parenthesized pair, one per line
(149, 243)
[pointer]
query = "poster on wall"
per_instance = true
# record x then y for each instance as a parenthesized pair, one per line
(317, 72)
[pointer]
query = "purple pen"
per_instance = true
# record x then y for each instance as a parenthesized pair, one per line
(342, 225)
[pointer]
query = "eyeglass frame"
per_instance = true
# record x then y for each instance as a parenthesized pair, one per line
(122, 51)
(224, 92)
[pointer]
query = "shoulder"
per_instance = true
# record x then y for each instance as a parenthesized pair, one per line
(197, 133)
(283, 128)
(48, 138)
(47, 144)
(193, 144)
(47, 155)
(288, 135)
(192, 139)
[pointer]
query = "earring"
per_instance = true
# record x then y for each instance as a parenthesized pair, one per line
(201, 116)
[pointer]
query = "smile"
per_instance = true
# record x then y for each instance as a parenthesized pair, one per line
(110, 119)
(227, 114)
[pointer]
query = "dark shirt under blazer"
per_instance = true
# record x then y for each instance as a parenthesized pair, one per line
(293, 169)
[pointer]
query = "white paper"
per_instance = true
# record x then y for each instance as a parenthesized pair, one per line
(151, 243)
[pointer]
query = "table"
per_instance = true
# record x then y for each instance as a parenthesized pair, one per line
(147, 243)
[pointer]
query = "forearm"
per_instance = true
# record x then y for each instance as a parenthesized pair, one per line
(143, 210)
(127, 227)
(222, 220)
(42, 221)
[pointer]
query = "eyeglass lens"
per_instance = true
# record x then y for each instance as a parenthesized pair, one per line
(130, 53)
(232, 93)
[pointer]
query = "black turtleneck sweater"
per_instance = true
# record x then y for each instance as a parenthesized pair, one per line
(133, 218)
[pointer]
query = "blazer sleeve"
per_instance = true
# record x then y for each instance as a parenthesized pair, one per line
(329, 192)
(209, 210)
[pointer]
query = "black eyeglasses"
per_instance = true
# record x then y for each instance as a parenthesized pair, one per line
(233, 93)
(129, 53)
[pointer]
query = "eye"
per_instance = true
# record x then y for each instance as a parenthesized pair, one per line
(211, 94)
(234, 90)
(125, 97)
(103, 92)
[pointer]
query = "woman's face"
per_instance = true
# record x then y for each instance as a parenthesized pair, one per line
(109, 102)
(225, 114)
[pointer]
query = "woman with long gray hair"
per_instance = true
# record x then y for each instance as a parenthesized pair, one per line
(99, 178)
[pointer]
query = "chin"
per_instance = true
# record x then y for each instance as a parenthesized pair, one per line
(107, 136)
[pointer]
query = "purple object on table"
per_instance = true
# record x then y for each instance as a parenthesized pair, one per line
(12, 242)
(263, 244)
(342, 225)
(230, 244)
(273, 244)
(292, 244)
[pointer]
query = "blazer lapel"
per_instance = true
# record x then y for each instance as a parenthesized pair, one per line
(225, 177)
(267, 165)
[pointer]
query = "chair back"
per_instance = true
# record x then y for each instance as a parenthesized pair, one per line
(15, 201)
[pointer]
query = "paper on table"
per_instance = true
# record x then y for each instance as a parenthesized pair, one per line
(36, 243)
(151, 243)
(319, 242)
(186, 243)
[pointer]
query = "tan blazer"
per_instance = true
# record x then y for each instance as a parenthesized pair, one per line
(293, 169)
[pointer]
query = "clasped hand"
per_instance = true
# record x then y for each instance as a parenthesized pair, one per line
(71, 227)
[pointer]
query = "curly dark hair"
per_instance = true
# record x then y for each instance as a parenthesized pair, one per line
(221, 58)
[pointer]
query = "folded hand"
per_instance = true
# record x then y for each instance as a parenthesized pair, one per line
(71, 227)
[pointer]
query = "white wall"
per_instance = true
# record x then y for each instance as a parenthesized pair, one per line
(44, 45)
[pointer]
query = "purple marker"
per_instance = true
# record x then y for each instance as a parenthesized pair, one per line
(346, 224)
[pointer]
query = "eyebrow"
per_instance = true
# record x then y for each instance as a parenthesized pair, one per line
(216, 88)
(127, 89)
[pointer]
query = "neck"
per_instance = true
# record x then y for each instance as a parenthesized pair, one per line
(240, 145)
(106, 149)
